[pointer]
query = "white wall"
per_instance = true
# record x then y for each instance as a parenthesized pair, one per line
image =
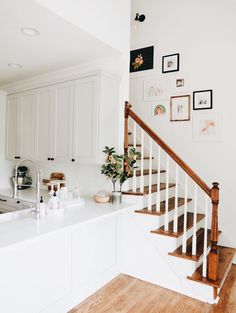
(107, 20)
(203, 33)
(5, 166)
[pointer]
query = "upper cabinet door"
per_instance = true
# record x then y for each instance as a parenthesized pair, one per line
(61, 121)
(85, 140)
(28, 110)
(44, 134)
(13, 136)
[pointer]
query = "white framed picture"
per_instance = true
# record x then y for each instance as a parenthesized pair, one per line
(207, 127)
(154, 89)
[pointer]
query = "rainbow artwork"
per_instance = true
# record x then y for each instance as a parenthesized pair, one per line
(159, 110)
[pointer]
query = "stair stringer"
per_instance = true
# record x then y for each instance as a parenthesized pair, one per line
(143, 256)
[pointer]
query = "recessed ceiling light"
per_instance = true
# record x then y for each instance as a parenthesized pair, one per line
(14, 65)
(30, 31)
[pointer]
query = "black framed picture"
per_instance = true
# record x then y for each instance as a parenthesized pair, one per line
(202, 99)
(141, 59)
(170, 63)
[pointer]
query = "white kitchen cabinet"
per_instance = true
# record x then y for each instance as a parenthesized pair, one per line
(54, 116)
(13, 129)
(44, 134)
(27, 124)
(70, 121)
(62, 121)
(20, 126)
(96, 109)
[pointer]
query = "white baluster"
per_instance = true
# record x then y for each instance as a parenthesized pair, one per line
(150, 176)
(167, 194)
(204, 265)
(142, 156)
(184, 242)
(176, 198)
(134, 171)
(158, 199)
(194, 241)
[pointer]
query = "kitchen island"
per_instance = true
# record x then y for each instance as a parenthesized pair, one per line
(53, 264)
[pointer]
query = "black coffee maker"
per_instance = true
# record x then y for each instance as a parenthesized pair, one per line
(23, 181)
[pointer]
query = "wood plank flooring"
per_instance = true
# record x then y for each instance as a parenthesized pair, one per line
(125, 294)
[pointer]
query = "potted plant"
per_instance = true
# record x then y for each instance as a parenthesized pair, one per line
(118, 168)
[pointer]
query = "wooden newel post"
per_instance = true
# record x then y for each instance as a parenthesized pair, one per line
(213, 257)
(126, 132)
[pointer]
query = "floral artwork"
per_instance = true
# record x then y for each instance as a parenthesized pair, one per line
(138, 62)
(141, 59)
(206, 127)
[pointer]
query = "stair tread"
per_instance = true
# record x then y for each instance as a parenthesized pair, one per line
(161, 231)
(146, 172)
(146, 189)
(200, 246)
(226, 255)
(171, 207)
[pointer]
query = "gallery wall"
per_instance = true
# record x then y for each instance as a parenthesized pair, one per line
(202, 32)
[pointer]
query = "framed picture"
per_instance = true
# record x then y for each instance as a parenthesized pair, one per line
(170, 63)
(141, 59)
(207, 127)
(202, 99)
(180, 84)
(180, 108)
(154, 89)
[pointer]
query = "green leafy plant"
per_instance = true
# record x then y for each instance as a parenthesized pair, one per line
(119, 167)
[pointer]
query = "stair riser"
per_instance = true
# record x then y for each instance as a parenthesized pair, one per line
(162, 196)
(146, 180)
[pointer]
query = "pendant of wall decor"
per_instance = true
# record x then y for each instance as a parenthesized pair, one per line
(159, 110)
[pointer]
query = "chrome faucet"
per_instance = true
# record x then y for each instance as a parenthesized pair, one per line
(15, 192)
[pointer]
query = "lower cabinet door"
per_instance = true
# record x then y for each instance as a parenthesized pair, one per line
(35, 274)
(94, 247)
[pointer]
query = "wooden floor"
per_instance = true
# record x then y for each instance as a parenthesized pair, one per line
(125, 294)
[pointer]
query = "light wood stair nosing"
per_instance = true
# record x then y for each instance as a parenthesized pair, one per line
(171, 207)
(162, 232)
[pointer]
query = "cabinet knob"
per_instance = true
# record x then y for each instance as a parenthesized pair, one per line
(52, 159)
(49, 159)
(72, 160)
(18, 202)
(17, 157)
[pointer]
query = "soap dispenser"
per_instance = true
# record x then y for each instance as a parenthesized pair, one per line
(54, 202)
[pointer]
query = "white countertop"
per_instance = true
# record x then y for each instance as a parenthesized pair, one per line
(27, 228)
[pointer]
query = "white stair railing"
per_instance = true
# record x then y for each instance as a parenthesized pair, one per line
(158, 196)
(167, 193)
(176, 198)
(184, 241)
(194, 240)
(209, 255)
(150, 176)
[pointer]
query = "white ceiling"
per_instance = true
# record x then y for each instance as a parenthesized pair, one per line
(60, 44)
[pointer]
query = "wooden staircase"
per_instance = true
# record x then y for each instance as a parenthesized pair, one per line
(183, 217)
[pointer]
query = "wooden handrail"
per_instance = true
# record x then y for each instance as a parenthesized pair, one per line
(166, 148)
(213, 193)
